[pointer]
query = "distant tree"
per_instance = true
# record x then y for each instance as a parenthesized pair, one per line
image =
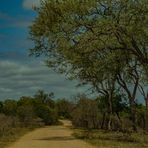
(25, 110)
(25, 101)
(48, 115)
(119, 105)
(26, 114)
(10, 107)
(64, 108)
(86, 114)
(45, 98)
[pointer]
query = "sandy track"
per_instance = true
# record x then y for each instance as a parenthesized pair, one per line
(51, 137)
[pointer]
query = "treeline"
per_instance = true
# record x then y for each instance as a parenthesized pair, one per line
(29, 112)
(41, 108)
(94, 114)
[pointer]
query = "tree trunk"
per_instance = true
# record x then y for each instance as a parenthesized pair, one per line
(133, 114)
(103, 121)
(109, 127)
(119, 120)
(110, 110)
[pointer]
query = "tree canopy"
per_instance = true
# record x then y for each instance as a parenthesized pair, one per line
(66, 30)
(100, 42)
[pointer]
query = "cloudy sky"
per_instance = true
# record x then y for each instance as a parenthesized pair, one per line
(19, 74)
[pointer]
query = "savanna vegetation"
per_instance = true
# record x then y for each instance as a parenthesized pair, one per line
(29, 112)
(89, 117)
(103, 44)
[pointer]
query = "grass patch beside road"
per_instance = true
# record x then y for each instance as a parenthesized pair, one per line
(105, 139)
(12, 135)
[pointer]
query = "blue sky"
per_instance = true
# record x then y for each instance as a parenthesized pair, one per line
(21, 75)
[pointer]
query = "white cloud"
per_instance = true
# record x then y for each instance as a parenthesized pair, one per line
(22, 78)
(29, 4)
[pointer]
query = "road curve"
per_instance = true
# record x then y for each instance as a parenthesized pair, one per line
(51, 137)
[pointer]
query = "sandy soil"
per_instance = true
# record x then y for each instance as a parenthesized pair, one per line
(51, 137)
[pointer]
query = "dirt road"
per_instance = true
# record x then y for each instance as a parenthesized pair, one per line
(51, 137)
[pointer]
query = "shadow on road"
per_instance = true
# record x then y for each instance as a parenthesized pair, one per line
(66, 138)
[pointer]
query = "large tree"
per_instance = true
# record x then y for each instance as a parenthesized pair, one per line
(94, 41)
(63, 27)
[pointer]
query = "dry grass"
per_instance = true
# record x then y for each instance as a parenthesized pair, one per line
(12, 136)
(104, 139)
(11, 129)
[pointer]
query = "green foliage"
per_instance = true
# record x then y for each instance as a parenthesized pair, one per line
(90, 30)
(64, 108)
(42, 98)
(26, 114)
(10, 107)
(101, 43)
(48, 115)
(25, 101)
(119, 104)
(45, 107)
(31, 109)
